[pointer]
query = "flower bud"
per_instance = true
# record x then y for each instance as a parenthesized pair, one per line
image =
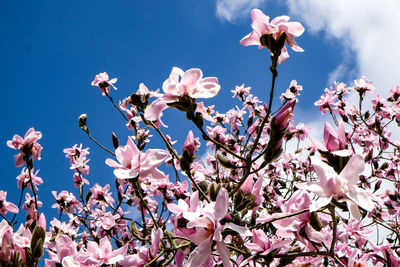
(189, 146)
(82, 122)
(315, 221)
(283, 116)
(37, 241)
(225, 162)
(42, 221)
(115, 140)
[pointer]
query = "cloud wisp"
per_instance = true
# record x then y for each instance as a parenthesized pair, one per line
(232, 10)
(366, 29)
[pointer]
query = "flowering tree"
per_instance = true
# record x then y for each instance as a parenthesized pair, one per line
(249, 202)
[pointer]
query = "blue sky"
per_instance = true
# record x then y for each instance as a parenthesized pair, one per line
(51, 51)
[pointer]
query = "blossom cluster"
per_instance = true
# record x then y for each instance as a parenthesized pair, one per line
(249, 201)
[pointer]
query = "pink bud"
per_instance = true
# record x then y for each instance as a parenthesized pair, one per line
(285, 114)
(42, 221)
(335, 140)
(190, 144)
(7, 247)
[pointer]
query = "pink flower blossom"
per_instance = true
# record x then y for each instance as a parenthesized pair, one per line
(326, 102)
(335, 141)
(180, 83)
(103, 252)
(23, 179)
(363, 86)
(190, 145)
(279, 25)
(209, 228)
(103, 82)
(133, 162)
(341, 187)
(27, 146)
(6, 206)
(283, 116)
(292, 91)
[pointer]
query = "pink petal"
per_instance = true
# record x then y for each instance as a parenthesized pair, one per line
(280, 19)
(112, 163)
(295, 29)
(191, 77)
(323, 170)
(155, 110)
(224, 253)
(206, 88)
(260, 21)
(321, 202)
(284, 55)
(362, 198)
(221, 204)
(153, 158)
(200, 254)
(353, 169)
(175, 208)
(354, 210)
(252, 38)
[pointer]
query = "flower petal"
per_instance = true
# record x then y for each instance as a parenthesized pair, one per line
(353, 169)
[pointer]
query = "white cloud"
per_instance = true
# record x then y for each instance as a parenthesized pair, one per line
(231, 10)
(367, 30)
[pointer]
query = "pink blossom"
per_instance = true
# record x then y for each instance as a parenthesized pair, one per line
(6, 206)
(27, 146)
(100, 196)
(102, 81)
(263, 245)
(342, 187)
(292, 91)
(78, 158)
(335, 141)
(103, 252)
(325, 103)
(66, 200)
(189, 145)
(191, 83)
(24, 178)
(180, 83)
(363, 85)
(64, 250)
(279, 25)
(241, 91)
(209, 228)
(7, 250)
(133, 162)
(283, 116)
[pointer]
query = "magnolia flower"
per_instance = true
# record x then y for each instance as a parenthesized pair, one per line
(103, 82)
(133, 162)
(279, 25)
(27, 146)
(341, 187)
(180, 83)
(284, 115)
(335, 142)
(209, 229)
(6, 206)
(103, 253)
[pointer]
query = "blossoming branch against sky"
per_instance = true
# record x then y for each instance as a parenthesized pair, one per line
(51, 52)
(363, 30)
